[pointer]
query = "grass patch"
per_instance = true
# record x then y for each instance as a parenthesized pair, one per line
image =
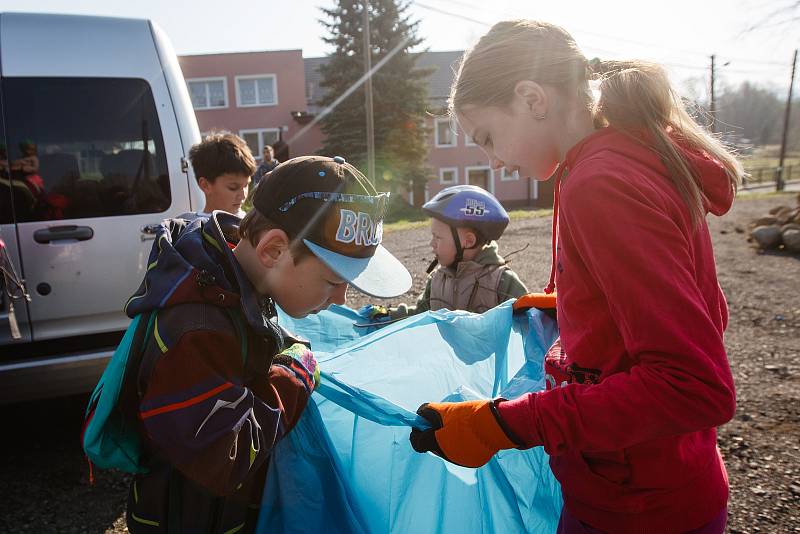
(415, 223)
(743, 194)
(403, 224)
(530, 214)
(755, 163)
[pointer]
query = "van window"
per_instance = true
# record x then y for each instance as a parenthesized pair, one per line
(84, 147)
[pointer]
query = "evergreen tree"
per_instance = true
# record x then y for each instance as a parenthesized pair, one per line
(399, 92)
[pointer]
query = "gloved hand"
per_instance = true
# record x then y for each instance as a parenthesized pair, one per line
(298, 353)
(535, 300)
(466, 433)
(545, 302)
(375, 313)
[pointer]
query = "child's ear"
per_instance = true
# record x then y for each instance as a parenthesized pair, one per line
(532, 96)
(470, 239)
(204, 184)
(271, 245)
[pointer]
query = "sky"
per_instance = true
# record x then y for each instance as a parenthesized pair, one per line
(681, 34)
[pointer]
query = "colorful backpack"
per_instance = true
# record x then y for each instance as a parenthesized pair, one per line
(110, 436)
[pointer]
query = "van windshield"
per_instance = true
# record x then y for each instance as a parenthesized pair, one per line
(83, 147)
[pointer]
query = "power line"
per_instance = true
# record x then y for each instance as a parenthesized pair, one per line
(633, 41)
(450, 13)
(769, 72)
(589, 32)
(746, 60)
(485, 23)
(596, 34)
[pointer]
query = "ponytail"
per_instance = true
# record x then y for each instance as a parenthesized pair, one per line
(636, 97)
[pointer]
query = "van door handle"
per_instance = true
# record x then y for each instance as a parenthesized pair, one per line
(149, 231)
(63, 233)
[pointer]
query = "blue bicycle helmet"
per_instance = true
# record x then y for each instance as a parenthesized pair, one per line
(468, 206)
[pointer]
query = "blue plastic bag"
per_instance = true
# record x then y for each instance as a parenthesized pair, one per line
(348, 465)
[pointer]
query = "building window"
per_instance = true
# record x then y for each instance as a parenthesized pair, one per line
(445, 134)
(310, 92)
(258, 90)
(506, 176)
(208, 93)
(256, 139)
(448, 176)
(468, 141)
(481, 176)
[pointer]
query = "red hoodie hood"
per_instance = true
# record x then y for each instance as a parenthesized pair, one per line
(718, 192)
(717, 189)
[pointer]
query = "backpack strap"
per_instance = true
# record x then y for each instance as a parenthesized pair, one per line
(241, 332)
(169, 325)
(129, 394)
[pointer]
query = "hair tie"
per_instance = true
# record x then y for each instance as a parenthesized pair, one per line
(595, 68)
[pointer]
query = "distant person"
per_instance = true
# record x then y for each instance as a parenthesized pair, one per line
(268, 163)
(466, 222)
(24, 199)
(281, 149)
(4, 166)
(28, 166)
(223, 165)
(640, 379)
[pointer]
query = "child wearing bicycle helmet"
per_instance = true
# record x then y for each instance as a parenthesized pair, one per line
(467, 272)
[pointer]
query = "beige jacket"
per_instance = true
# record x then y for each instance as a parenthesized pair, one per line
(475, 286)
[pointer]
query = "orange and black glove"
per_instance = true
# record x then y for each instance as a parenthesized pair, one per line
(545, 302)
(466, 433)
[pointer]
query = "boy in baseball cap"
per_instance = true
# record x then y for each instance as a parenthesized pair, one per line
(219, 383)
(323, 208)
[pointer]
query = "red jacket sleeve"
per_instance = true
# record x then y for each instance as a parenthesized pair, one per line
(640, 253)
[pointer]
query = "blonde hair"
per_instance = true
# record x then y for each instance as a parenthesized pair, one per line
(636, 96)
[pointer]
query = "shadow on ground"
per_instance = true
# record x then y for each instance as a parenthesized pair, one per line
(45, 477)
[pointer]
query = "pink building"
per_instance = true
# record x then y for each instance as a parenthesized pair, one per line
(271, 95)
(258, 95)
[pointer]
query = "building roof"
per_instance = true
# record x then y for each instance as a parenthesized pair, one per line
(313, 78)
(202, 54)
(443, 65)
(441, 78)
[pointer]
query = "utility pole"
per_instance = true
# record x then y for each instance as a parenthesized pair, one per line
(368, 94)
(713, 106)
(779, 184)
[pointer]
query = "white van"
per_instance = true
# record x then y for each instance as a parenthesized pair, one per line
(95, 129)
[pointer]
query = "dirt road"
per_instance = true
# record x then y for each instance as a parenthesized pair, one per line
(44, 476)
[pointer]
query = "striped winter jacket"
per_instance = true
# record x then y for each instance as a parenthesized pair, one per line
(217, 384)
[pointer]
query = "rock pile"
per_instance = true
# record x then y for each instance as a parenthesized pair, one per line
(780, 229)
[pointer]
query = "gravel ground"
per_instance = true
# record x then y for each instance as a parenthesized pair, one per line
(44, 480)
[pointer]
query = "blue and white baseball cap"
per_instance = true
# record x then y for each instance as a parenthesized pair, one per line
(338, 214)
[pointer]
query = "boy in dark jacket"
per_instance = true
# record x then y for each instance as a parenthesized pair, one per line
(220, 382)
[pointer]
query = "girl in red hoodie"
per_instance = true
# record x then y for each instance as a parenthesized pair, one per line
(640, 380)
